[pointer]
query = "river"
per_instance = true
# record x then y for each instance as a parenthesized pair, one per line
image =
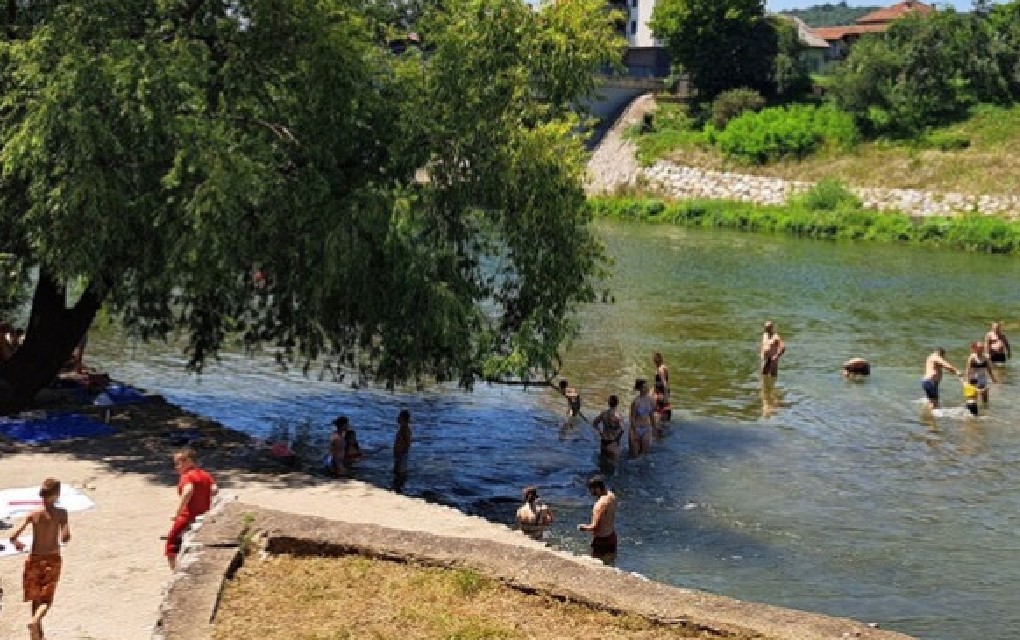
(832, 496)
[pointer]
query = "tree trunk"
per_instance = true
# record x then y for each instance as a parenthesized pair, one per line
(52, 334)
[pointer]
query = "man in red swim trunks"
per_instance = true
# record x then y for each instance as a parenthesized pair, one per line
(196, 489)
(603, 521)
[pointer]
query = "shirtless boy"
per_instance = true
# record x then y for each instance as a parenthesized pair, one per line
(997, 345)
(603, 521)
(933, 367)
(772, 348)
(533, 517)
(42, 569)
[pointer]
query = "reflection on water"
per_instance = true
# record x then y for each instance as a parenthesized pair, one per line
(823, 494)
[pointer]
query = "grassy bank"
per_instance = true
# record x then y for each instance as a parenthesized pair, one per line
(977, 156)
(355, 597)
(832, 219)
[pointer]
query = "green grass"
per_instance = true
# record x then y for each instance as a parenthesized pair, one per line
(977, 156)
(813, 219)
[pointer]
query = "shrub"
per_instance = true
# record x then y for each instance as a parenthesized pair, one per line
(730, 104)
(945, 140)
(829, 195)
(797, 130)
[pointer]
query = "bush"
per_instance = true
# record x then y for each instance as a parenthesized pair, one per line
(829, 195)
(730, 104)
(945, 140)
(797, 130)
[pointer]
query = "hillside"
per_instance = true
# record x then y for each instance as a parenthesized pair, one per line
(830, 15)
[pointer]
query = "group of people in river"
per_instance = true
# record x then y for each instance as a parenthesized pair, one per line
(994, 349)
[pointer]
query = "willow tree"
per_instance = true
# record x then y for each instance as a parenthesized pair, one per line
(270, 171)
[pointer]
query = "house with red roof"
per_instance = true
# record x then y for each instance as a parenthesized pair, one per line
(841, 38)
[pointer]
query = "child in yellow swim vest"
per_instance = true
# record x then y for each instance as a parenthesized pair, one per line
(970, 396)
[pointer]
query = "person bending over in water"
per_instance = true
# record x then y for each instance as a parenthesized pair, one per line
(979, 370)
(772, 348)
(533, 517)
(603, 521)
(855, 367)
(933, 367)
(662, 405)
(609, 426)
(573, 399)
(997, 345)
(642, 420)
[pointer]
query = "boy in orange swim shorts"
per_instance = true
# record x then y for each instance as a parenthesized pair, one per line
(42, 569)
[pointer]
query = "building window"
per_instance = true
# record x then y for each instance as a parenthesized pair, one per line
(633, 3)
(633, 27)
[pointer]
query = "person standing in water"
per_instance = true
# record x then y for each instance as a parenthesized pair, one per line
(662, 404)
(402, 446)
(997, 345)
(533, 517)
(573, 399)
(337, 443)
(772, 348)
(642, 420)
(933, 367)
(609, 426)
(50, 528)
(979, 370)
(603, 521)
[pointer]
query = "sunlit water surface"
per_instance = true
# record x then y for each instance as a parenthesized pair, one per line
(828, 495)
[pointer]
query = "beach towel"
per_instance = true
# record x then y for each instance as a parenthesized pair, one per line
(54, 426)
(122, 394)
(15, 503)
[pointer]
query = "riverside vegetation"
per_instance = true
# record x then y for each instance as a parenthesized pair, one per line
(827, 211)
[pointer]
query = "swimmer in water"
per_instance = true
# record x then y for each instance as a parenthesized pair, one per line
(933, 367)
(642, 420)
(856, 367)
(609, 426)
(573, 399)
(533, 517)
(997, 345)
(979, 370)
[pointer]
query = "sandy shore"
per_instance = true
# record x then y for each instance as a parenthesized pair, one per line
(114, 570)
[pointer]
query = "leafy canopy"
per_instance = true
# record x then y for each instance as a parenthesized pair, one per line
(270, 169)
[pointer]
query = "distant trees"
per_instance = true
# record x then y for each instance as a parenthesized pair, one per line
(928, 70)
(831, 15)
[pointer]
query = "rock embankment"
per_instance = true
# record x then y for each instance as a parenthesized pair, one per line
(613, 165)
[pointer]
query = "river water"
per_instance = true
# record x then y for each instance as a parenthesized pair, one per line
(832, 496)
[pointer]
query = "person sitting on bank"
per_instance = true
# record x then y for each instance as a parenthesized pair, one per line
(609, 426)
(856, 367)
(573, 399)
(533, 517)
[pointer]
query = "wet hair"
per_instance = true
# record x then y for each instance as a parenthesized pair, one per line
(530, 493)
(613, 401)
(50, 487)
(596, 482)
(563, 384)
(640, 382)
(341, 422)
(404, 415)
(657, 358)
(941, 351)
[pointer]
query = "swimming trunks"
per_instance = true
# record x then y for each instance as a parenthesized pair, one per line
(931, 389)
(998, 357)
(641, 432)
(603, 545)
(42, 571)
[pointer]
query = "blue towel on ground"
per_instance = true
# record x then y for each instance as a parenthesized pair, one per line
(123, 394)
(58, 426)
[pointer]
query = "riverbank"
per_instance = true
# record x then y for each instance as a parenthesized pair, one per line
(115, 576)
(824, 221)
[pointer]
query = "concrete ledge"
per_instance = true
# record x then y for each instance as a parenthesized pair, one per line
(191, 601)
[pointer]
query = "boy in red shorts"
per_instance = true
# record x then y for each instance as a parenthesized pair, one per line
(42, 569)
(196, 489)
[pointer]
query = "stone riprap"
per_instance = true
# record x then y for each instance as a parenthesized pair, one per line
(613, 166)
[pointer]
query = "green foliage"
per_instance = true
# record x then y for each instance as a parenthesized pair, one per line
(253, 170)
(790, 72)
(945, 140)
(734, 102)
(672, 127)
(828, 195)
(722, 44)
(793, 131)
(929, 70)
(831, 15)
(967, 232)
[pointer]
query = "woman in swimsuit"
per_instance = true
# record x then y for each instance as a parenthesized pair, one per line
(609, 426)
(642, 420)
(979, 369)
(662, 406)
